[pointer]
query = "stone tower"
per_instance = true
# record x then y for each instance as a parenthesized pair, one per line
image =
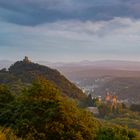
(26, 60)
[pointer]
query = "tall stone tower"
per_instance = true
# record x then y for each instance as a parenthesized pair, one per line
(26, 60)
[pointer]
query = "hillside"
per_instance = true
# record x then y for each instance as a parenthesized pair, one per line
(24, 72)
(42, 113)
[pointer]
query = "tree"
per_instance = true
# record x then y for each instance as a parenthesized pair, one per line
(43, 114)
(119, 108)
(5, 95)
(116, 133)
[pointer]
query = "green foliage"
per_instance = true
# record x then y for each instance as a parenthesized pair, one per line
(89, 100)
(116, 133)
(5, 95)
(126, 121)
(104, 109)
(6, 77)
(41, 113)
(96, 102)
(119, 108)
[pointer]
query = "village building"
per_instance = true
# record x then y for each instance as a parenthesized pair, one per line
(93, 110)
(111, 100)
(114, 102)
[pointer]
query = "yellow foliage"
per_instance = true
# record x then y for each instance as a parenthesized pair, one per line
(7, 134)
(2, 136)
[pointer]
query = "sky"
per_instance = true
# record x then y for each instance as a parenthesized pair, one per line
(70, 30)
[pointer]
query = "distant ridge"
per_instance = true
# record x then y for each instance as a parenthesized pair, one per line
(91, 68)
(106, 64)
(86, 69)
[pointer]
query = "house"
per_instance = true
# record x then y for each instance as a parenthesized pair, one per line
(93, 110)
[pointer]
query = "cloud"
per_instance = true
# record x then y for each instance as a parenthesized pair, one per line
(73, 39)
(35, 12)
(80, 29)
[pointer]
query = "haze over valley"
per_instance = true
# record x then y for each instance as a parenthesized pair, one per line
(69, 69)
(98, 77)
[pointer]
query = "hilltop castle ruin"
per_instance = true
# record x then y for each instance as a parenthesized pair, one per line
(26, 60)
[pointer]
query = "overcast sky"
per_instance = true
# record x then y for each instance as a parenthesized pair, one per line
(70, 30)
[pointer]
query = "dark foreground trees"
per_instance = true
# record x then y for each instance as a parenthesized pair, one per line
(41, 113)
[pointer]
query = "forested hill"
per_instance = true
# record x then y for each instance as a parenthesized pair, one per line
(24, 72)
